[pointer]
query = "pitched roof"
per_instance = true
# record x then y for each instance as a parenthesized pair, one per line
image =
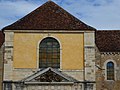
(108, 41)
(1, 38)
(48, 16)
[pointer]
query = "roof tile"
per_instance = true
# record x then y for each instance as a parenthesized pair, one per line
(1, 38)
(48, 16)
(108, 41)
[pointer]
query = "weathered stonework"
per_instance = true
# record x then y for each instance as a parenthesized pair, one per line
(77, 74)
(87, 74)
(8, 56)
(90, 64)
(51, 87)
(89, 51)
(89, 57)
(102, 83)
(1, 65)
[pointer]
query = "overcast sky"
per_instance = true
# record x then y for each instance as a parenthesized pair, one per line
(100, 14)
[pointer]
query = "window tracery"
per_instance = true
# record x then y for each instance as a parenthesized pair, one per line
(49, 53)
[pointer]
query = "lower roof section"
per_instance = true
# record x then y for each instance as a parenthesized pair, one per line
(108, 40)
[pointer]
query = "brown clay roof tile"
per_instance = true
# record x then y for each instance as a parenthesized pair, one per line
(1, 38)
(108, 41)
(49, 16)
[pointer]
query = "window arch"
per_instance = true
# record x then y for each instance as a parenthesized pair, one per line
(49, 53)
(110, 70)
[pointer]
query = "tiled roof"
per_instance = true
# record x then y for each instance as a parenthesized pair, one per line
(108, 41)
(1, 38)
(49, 16)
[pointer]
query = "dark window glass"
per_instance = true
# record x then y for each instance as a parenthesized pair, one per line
(88, 86)
(7, 86)
(110, 71)
(49, 53)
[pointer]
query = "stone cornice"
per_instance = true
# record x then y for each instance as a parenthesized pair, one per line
(49, 31)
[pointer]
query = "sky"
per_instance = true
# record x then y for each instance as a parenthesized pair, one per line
(100, 14)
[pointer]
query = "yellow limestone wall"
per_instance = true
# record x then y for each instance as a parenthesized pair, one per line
(26, 50)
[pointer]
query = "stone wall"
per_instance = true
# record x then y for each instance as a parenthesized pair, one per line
(77, 74)
(90, 64)
(8, 56)
(85, 74)
(102, 58)
(11, 73)
(1, 66)
(52, 87)
(89, 56)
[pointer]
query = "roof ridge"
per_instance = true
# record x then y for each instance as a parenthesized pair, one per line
(49, 16)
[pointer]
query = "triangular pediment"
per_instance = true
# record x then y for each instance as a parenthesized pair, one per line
(49, 75)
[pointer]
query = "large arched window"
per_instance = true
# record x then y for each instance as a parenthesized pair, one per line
(110, 71)
(49, 53)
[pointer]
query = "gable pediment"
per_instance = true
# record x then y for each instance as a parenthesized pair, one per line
(49, 75)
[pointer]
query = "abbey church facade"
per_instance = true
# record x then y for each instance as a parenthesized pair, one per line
(49, 49)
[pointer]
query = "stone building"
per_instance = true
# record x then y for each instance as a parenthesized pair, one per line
(1, 58)
(49, 49)
(108, 60)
